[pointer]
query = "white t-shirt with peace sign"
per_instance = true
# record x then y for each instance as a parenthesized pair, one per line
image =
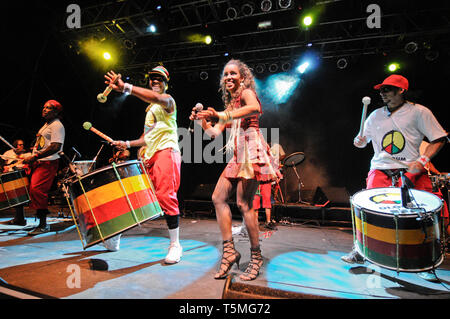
(399, 134)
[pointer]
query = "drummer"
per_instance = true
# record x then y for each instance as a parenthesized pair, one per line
(13, 157)
(44, 162)
(398, 129)
(162, 157)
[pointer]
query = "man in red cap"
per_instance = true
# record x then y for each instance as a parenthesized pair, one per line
(44, 162)
(396, 131)
(162, 157)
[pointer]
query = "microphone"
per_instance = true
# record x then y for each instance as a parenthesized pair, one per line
(198, 107)
(88, 127)
(102, 97)
(76, 152)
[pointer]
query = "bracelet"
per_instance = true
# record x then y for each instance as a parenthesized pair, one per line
(225, 117)
(127, 143)
(423, 160)
(127, 88)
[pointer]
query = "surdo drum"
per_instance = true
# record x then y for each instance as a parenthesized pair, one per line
(394, 237)
(111, 200)
(14, 189)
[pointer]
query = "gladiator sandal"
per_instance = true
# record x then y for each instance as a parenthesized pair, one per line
(229, 257)
(254, 265)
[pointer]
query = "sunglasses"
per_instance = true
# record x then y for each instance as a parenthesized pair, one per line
(388, 88)
(156, 78)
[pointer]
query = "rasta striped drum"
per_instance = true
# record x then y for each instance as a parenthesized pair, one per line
(112, 199)
(13, 189)
(394, 237)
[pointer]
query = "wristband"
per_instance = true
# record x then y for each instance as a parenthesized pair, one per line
(423, 160)
(127, 143)
(127, 88)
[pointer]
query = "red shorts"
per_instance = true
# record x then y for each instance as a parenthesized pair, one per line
(164, 171)
(265, 194)
(44, 172)
(421, 181)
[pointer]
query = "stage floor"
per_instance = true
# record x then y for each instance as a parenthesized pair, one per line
(302, 260)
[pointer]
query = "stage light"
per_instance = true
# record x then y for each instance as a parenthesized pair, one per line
(247, 9)
(266, 5)
(204, 75)
(307, 21)
(278, 88)
(342, 63)
(264, 25)
(284, 4)
(393, 67)
(411, 47)
(231, 13)
(151, 28)
(303, 67)
(106, 56)
(208, 39)
(273, 68)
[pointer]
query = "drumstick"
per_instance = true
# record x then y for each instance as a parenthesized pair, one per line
(102, 97)
(366, 102)
(88, 126)
(6, 142)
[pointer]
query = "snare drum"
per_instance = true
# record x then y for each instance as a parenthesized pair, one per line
(85, 166)
(111, 200)
(14, 189)
(394, 237)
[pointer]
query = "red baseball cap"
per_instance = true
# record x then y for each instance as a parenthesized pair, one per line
(54, 104)
(394, 80)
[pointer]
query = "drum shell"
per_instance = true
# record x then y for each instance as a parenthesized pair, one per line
(14, 187)
(398, 243)
(104, 209)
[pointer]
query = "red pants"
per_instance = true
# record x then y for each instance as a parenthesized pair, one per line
(44, 172)
(164, 171)
(265, 193)
(421, 181)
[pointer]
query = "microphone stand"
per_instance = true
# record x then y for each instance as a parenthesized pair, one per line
(299, 185)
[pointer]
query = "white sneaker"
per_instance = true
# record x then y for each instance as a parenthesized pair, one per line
(175, 253)
(113, 243)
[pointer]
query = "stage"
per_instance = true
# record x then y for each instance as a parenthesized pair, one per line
(301, 261)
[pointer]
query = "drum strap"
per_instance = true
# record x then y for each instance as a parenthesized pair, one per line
(395, 174)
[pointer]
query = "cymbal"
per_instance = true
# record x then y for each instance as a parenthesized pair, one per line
(294, 159)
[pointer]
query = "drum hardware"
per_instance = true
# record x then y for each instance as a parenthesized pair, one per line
(293, 160)
(94, 160)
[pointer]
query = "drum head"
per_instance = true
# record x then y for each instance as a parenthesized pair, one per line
(294, 159)
(388, 199)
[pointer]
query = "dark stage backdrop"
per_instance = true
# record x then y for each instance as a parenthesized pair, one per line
(320, 119)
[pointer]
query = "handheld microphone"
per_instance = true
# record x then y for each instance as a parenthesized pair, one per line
(102, 97)
(88, 126)
(198, 107)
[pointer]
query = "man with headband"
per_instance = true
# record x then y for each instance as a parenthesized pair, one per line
(162, 157)
(44, 162)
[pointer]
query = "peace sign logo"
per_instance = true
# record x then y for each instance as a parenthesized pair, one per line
(393, 142)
